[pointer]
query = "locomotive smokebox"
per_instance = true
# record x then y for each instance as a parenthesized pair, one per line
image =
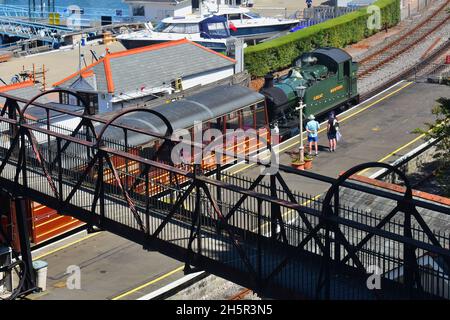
(268, 80)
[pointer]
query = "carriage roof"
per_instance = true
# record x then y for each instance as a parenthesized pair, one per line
(200, 107)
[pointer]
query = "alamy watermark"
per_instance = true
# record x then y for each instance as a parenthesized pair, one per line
(73, 281)
(212, 146)
(373, 282)
(374, 19)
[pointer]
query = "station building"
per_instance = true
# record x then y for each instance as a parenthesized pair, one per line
(136, 76)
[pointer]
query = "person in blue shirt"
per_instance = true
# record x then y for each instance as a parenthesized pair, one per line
(312, 127)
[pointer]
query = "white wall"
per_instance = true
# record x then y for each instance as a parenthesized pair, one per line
(104, 102)
(207, 77)
(155, 12)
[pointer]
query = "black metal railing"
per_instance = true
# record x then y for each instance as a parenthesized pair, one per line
(254, 231)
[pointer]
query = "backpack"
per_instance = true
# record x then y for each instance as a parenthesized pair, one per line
(336, 125)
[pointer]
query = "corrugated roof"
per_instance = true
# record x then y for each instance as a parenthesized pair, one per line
(151, 66)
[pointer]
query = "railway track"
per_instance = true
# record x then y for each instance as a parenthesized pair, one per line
(240, 295)
(426, 66)
(405, 42)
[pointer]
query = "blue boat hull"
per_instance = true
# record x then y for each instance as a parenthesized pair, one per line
(260, 32)
(134, 43)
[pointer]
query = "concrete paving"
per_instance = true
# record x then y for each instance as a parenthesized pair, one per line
(110, 266)
(60, 63)
(370, 135)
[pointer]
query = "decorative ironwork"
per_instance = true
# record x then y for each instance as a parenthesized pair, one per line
(256, 232)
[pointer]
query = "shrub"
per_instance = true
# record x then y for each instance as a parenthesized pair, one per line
(338, 32)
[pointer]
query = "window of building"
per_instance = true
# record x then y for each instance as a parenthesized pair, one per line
(91, 99)
(138, 11)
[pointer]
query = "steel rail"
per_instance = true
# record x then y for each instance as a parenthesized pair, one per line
(402, 49)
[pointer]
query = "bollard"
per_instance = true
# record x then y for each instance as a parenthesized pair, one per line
(40, 268)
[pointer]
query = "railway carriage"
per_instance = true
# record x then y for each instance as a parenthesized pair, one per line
(224, 108)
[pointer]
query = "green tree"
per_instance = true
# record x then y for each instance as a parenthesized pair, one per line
(440, 130)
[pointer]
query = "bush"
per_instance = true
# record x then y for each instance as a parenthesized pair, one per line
(338, 32)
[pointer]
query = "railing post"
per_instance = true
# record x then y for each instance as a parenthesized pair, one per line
(259, 262)
(274, 208)
(24, 236)
(198, 211)
(102, 186)
(327, 260)
(23, 150)
(47, 111)
(147, 202)
(60, 178)
(127, 171)
(337, 246)
(219, 189)
(409, 255)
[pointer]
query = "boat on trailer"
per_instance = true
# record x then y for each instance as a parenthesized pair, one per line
(209, 31)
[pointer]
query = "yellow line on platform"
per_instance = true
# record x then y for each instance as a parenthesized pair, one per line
(64, 246)
(395, 151)
(341, 120)
(149, 283)
(402, 147)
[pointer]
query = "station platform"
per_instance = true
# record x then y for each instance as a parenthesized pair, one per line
(377, 130)
(380, 129)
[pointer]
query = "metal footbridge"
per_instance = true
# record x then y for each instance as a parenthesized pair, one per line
(14, 27)
(255, 232)
(25, 23)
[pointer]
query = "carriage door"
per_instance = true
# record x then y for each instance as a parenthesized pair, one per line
(347, 78)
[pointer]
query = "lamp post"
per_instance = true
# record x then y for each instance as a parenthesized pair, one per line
(300, 94)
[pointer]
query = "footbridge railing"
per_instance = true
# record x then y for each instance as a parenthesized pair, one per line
(257, 232)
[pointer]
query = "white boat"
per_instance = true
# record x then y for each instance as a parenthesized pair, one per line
(244, 23)
(210, 31)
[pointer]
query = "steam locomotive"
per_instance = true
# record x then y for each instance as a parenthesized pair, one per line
(330, 78)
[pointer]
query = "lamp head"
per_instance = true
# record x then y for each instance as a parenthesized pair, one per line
(300, 90)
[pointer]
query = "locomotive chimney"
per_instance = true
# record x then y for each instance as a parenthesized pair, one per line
(268, 80)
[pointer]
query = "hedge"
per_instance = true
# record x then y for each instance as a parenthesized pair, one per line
(338, 32)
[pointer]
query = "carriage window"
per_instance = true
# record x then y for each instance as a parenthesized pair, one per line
(217, 124)
(233, 120)
(260, 115)
(248, 121)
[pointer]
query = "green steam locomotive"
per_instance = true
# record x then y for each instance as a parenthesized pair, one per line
(330, 78)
